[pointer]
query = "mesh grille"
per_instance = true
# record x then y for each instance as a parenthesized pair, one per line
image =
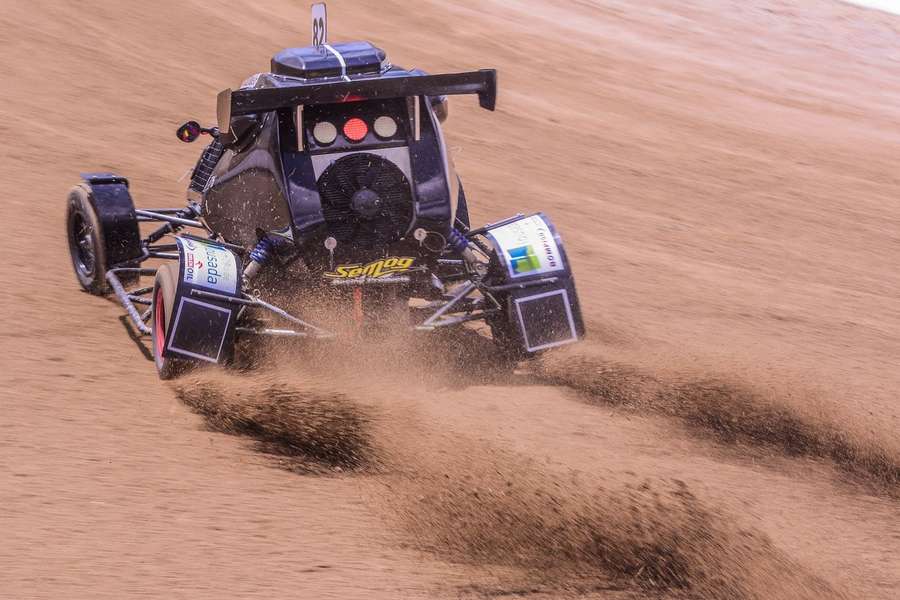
(344, 179)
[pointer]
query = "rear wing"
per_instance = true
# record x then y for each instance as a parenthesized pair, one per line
(243, 102)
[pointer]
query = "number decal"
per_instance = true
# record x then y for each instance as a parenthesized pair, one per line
(319, 24)
(318, 32)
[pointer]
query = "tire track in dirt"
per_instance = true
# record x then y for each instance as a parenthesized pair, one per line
(472, 503)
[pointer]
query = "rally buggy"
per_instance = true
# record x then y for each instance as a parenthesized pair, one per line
(328, 181)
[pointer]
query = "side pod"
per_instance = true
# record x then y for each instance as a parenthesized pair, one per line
(534, 284)
(204, 307)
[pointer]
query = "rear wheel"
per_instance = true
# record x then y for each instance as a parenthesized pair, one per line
(87, 246)
(161, 317)
(507, 337)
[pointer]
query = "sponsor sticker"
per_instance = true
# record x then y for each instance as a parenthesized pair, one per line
(529, 247)
(373, 270)
(209, 266)
(523, 259)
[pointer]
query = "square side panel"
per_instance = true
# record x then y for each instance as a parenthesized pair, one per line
(199, 330)
(546, 320)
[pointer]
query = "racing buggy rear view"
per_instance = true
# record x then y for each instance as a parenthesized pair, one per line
(327, 180)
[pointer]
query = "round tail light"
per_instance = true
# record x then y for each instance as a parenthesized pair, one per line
(355, 129)
(324, 132)
(385, 127)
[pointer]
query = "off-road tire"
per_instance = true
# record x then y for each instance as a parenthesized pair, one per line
(509, 349)
(161, 311)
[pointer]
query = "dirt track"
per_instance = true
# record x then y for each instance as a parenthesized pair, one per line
(725, 177)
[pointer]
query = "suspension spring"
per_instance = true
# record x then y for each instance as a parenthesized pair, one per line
(263, 251)
(457, 241)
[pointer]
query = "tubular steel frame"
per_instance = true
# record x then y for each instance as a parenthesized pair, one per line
(463, 307)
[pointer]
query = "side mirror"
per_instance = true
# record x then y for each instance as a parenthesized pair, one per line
(189, 132)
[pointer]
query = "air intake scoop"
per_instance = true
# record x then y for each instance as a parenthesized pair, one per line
(314, 63)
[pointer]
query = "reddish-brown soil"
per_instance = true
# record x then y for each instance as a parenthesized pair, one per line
(725, 178)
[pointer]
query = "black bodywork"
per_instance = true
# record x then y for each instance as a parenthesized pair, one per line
(267, 161)
(329, 174)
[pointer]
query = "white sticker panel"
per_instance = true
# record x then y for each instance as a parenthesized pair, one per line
(209, 266)
(529, 247)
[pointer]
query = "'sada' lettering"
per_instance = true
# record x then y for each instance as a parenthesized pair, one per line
(209, 265)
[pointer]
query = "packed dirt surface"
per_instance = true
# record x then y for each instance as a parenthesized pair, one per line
(724, 175)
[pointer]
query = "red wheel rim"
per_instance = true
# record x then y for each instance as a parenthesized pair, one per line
(159, 322)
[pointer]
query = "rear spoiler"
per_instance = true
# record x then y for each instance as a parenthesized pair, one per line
(243, 102)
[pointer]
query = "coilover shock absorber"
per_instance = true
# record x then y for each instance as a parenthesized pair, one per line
(261, 255)
(459, 243)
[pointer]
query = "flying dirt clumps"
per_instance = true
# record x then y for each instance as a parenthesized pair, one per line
(738, 412)
(659, 537)
(314, 428)
(465, 501)
(733, 411)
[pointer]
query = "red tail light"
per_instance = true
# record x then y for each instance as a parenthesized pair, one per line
(355, 129)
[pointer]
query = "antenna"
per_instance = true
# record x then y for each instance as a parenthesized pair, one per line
(319, 24)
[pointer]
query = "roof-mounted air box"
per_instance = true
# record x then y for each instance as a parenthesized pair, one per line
(315, 62)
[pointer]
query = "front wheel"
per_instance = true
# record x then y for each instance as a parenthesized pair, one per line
(86, 242)
(164, 289)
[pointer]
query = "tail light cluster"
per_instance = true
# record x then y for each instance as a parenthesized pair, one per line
(355, 130)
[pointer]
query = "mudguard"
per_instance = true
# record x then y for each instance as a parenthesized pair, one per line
(530, 266)
(115, 209)
(203, 321)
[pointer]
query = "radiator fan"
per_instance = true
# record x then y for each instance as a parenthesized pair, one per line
(366, 200)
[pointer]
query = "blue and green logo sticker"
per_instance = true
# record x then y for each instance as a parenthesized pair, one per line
(523, 259)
